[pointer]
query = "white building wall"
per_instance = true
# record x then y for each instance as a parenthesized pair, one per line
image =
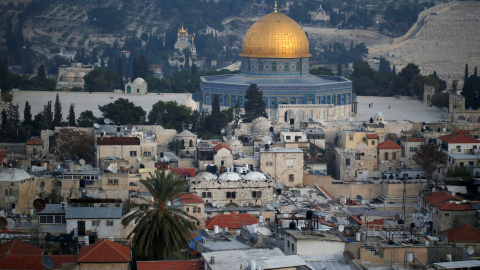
(102, 231)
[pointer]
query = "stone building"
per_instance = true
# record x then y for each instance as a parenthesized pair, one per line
(34, 147)
(77, 184)
(194, 206)
(351, 138)
(389, 156)
(232, 190)
(189, 142)
(19, 189)
(137, 152)
(410, 141)
(283, 164)
(222, 157)
(71, 77)
(358, 163)
(138, 86)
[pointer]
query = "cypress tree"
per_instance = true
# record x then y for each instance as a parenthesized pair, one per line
(254, 104)
(57, 117)
(27, 114)
(216, 116)
(71, 115)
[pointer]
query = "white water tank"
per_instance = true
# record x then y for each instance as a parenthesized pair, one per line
(358, 236)
(86, 240)
(215, 229)
(409, 257)
(448, 258)
(260, 219)
(253, 265)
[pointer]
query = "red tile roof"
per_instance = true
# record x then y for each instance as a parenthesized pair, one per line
(104, 251)
(460, 138)
(231, 221)
(3, 153)
(356, 219)
(461, 131)
(220, 146)
(372, 136)
(190, 172)
(452, 206)
(18, 247)
(35, 141)
(441, 197)
(34, 261)
(118, 141)
(464, 233)
(190, 198)
(325, 192)
(170, 265)
(389, 145)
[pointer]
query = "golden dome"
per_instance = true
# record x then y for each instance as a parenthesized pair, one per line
(275, 36)
(182, 31)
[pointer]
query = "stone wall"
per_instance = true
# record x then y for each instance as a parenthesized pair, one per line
(280, 165)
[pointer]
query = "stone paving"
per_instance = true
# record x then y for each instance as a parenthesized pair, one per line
(400, 109)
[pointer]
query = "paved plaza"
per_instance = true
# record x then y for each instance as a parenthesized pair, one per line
(392, 108)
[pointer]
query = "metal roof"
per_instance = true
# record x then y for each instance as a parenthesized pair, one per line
(458, 264)
(52, 209)
(93, 212)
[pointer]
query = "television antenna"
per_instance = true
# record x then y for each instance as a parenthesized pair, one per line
(48, 262)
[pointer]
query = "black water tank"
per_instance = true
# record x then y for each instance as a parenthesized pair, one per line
(309, 215)
(292, 226)
(292, 121)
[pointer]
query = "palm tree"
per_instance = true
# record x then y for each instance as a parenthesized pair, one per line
(161, 227)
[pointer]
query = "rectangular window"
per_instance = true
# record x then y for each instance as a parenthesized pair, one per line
(471, 163)
(199, 210)
(291, 178)
(256, 194)
(351, 138)
(347, 162)
(289, 162)
(133, 153)
(109, 223)
(58, 219)
(267, 219)
(394, 156)
(231, 195)
(113, 181)
(206, 194)
(49, 219)
(386, 155)
(95, 222)
(288, 137)
(288, 243)
(458, 146)
(194, 210)
(413, 149)
(293, 247)
(461, 164)
(43, 219)
(357, 157)
(373, 142)
(188, 209)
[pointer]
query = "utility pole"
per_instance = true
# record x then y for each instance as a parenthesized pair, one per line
(404, 198)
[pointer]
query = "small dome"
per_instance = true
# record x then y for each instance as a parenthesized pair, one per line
(205, 176)
(139, 81)
(378, 114)
(234, 142)
(13, 175)
(254, 176)
(231, 176)
(260, 125)
(190, 103)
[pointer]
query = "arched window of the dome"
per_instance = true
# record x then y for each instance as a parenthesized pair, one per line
(301, 101)
(293, 101)
(220, 99)
(234, 100)
(273, 103)
(207, 98)
(327, 100)
(240, 100)
(227, 100)
(282, 100)
(310, 100)
(266, 102)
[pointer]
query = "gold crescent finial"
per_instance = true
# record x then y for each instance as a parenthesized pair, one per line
(275, 6)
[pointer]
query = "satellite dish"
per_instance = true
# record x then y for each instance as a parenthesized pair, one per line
(96, 126)
(107, 121)
(214, 204)
(244, 233)
(334, 220)
(39, 204)
(363, 201)
(470, 250)
(453, 193)
(139, 159)
(276, 204)
(240, 239)
(10, 223)
(203, 233)
(341, 228)
(270, 207)
(253, 238)
(359, 198)
(274, 195)
(82, 161)
(3, 222)
(417, 206)
(48, 262)
(177, 201)
(134, 128)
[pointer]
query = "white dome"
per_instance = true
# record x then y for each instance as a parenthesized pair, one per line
(13, 175)
(378, 114)
(254, 176)
(205, 176)
(139, 81)
(190, 103)
(260, 125)
(231, 176)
